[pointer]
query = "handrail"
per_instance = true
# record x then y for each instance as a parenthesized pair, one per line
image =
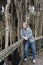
(38, 38)
(6, 52)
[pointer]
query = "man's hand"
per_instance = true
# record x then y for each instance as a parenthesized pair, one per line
(26, 38)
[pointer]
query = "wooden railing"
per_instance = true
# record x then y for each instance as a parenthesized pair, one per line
(6, 52)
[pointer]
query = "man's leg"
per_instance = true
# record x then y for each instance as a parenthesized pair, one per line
(26, 49)
(33, 50)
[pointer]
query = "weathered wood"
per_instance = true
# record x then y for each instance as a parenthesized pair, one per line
(4, 53)
(22, 52)
(9, 50)
(38, 38)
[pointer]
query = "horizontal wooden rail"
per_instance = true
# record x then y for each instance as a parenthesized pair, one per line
(6, 52)
(38, 38)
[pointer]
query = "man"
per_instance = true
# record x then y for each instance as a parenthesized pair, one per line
(26, 34)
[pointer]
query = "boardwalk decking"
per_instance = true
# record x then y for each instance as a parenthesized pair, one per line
(39, 60)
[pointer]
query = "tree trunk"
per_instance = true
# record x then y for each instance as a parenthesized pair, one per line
(7, 25)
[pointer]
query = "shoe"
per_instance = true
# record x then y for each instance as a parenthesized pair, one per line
(4, 63)
(25, 59)
(34, 61)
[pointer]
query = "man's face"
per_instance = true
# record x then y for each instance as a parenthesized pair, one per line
(24, 25)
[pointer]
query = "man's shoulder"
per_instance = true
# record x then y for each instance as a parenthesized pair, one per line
(29, 29)
(22, 30)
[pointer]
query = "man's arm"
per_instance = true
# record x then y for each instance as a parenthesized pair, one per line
(22, 35)
(29, 33)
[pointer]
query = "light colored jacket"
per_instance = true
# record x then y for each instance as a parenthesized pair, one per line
(27, 33)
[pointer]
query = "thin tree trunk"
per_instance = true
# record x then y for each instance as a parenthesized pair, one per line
(7, 17)
(17, 11)
(7, 25)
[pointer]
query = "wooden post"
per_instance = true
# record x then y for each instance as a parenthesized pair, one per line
(21, 52)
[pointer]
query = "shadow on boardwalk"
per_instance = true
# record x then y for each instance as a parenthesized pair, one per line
(39, 60)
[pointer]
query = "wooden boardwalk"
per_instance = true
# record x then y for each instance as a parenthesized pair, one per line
(39, 60)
